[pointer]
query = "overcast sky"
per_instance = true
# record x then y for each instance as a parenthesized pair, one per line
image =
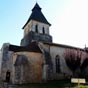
(69, 19)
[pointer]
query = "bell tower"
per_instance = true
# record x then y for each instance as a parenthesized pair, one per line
(36, 28)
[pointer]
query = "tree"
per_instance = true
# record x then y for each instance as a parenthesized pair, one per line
(84, 68)
(73, 59)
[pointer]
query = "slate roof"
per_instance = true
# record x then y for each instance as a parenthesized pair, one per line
(37, 15)
(32, 47)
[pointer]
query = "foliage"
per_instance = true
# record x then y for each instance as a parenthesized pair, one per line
(74, 58)
(84, 68)
(84, 64)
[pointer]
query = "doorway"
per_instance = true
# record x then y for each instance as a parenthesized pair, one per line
(8, 76)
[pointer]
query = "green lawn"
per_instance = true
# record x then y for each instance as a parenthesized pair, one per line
(52, 84)
(82, 86)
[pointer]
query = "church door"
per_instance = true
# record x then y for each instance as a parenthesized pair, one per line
(7, 76)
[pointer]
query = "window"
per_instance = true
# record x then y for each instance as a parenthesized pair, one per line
(36, 28)
(57, 60)
(43, 30)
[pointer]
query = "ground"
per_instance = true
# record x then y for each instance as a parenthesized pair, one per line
(51, 84)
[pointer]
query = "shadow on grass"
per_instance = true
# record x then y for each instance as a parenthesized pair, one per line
(49, 84)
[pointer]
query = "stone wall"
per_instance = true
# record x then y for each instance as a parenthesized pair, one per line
(6, 63)
(54, 51)
(29, 72)
(30, 33)
(47, 62)
(69, 61)
(31, 27)
(0, 61)
(40, 27)
(35, 36)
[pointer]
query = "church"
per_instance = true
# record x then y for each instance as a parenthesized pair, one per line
(38, 59)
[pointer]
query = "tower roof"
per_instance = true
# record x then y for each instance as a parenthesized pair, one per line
(37, 15)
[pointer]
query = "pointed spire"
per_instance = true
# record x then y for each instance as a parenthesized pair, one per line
(37, 15)
(36, 7)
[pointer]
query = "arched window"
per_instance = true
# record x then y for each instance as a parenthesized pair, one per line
(36, 28)
(43, 30)
(57, 60)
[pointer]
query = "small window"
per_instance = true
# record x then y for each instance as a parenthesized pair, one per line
(57, 60)
(36, 28)
(43, 30)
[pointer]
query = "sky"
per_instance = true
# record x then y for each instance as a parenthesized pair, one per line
(69, 19)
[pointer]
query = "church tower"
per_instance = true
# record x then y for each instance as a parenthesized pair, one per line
(36, 28)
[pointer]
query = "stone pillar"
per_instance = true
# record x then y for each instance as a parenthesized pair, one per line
(0, 61)
(45, 72)
(5, 59)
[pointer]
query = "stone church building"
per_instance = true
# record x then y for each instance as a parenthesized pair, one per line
(38, 59)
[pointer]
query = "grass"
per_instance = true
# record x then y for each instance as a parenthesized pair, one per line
(51, 84)
(82, 86)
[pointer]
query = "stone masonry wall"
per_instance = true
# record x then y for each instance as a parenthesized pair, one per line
(67, 61)
(33, 70)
